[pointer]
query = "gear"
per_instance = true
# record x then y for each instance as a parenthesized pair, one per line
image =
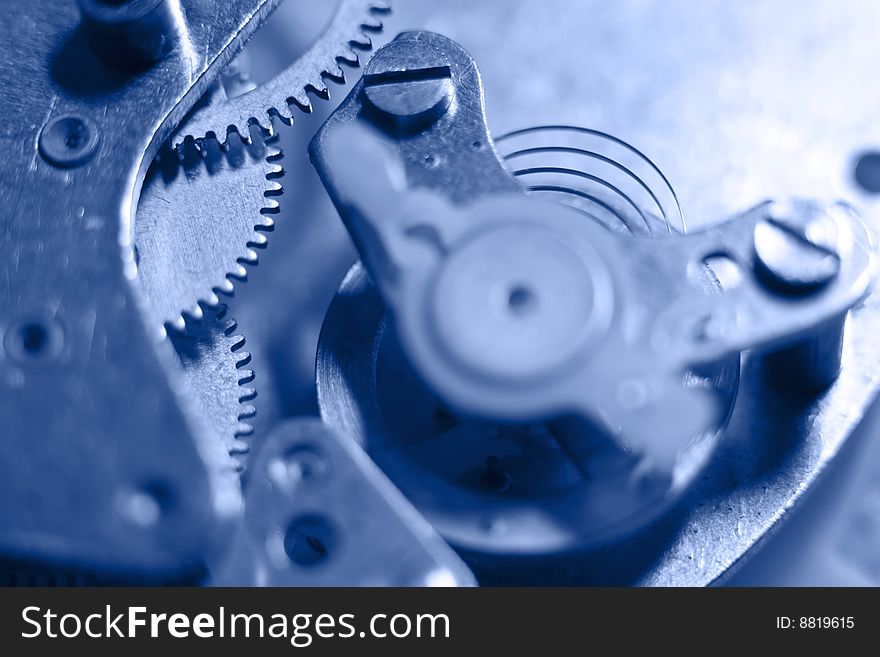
(347, 33)
(214, 366)
(193, 237)
(185, 262)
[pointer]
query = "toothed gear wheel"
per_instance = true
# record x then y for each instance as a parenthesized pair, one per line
(348, 32)
(199, 223)
(204, 209)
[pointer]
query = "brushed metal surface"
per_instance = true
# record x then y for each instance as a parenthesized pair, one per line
(66, 258)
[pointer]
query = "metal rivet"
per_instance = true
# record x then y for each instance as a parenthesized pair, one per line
(69, 141)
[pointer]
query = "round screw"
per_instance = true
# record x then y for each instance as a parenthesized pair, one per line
(69, 141)
(408, 88)
(787, 258)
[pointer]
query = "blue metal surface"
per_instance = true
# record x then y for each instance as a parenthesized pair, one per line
(112, 472)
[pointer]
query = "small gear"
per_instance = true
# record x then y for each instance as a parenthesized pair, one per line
(348, 32)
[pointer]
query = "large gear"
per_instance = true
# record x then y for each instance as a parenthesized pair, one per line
(348, 32)
(194, 239)
(184, 263)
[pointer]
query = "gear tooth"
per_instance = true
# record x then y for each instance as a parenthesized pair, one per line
(178, 324)
(259, 240)
(281, 112)
(228, 139)
(211, 304)
(243, 430)
(236, 344)
(362, 42)
(187, 143)
(266, 223)
(275, 189)
(247, 394)
(227, 325)
(237, 447)
(349, 56)
(271, 205)
(262, 124)
(320, 90)
(228, 290)
(226, 287)
(240, 132)
(373, 24)
(300, 99)
(247, 411)
(239, 272)
(334, 73)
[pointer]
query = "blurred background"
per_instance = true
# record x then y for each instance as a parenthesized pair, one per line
(735, 102)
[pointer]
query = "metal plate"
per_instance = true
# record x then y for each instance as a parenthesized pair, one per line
(108, 474)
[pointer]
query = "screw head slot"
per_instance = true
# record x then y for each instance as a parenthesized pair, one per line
(408, 90)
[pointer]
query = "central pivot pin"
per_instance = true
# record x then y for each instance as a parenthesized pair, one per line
(520, 301)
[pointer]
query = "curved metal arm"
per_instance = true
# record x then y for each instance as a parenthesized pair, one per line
(514, 309)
